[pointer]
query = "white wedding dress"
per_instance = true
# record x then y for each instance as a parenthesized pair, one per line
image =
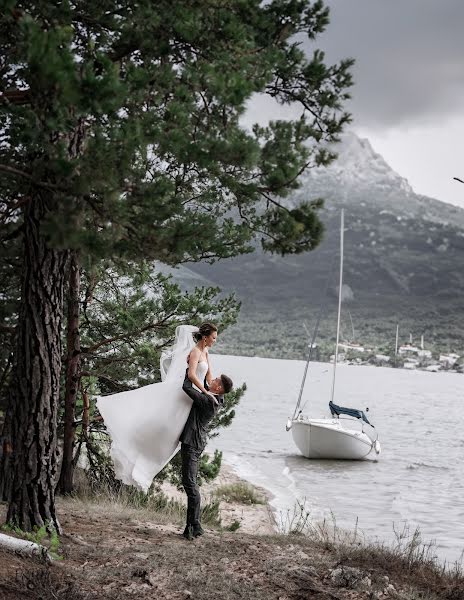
(145, 424)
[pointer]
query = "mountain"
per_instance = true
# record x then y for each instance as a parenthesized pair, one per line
(403, 264)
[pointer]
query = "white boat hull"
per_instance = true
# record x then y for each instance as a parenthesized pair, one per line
(329, 438)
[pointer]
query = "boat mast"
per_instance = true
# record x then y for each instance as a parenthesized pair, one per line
(311, 344)
(342, 223)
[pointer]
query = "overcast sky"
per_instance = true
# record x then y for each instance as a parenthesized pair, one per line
(408, 97)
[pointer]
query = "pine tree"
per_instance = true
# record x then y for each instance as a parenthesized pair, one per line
(10, 265)
(121, 138)
(129, 316)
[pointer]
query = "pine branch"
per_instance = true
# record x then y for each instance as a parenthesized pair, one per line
(114, 384)
(127, 335)
(29, 177)
(16, 97)
(284, 184)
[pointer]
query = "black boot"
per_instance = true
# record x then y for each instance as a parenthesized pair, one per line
(197, 530)
(188, 533)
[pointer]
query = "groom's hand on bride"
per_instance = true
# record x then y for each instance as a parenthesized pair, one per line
(215, 400)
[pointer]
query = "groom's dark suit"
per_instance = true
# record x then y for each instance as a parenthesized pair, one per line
(194, 437)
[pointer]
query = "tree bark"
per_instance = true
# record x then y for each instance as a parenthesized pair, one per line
(5, 461)
(36, 377)
(73, 363)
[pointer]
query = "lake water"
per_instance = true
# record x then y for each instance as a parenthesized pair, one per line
(418, 479)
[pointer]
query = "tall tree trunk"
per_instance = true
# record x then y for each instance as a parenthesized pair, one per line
(5, 461)
(36, 379)
(5, 440)
(73, 363)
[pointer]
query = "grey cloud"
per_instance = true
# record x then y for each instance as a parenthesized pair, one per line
(409, 58)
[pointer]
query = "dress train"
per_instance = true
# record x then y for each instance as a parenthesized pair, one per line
(145, 424)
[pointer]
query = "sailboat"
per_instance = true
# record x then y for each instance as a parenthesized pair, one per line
(344, 435)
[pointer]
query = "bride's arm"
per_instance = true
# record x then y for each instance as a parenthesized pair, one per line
(209, 375)
(192, 370)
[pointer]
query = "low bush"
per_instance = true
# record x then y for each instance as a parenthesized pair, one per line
(242, 493)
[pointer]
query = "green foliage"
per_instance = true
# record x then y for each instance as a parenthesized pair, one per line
(128, 116)
(272, 329)
(210, 514)
(234, 526)
(130, 313)
(100, 472)
(122, 120)
(208, 469)
(226, 413)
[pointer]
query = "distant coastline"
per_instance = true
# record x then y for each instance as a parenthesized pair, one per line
(409, 359)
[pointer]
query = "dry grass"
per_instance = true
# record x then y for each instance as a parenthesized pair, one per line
(128, 500)
(36, 582)
(241, 493)
(120, 545)
(408, 560)
(113, 551)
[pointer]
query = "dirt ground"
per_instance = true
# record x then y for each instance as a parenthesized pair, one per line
(255, 518)
(111, 552)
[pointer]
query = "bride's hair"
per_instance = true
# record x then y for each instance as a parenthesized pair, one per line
(205, 329)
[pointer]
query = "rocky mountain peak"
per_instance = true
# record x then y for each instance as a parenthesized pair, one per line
(359, 166)
(402, 258)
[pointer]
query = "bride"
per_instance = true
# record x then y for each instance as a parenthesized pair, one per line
(145, 424)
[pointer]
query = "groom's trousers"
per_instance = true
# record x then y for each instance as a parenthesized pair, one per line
(190, 464)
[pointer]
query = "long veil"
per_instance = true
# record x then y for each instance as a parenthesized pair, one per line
(145, 424)
(173, 362)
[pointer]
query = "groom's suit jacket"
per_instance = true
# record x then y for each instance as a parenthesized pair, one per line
(195, 432)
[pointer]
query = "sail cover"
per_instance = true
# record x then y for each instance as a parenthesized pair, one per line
(352, 412)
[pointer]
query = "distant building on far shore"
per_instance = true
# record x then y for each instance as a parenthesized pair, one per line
(449, 360)
(382, 358)
(408, 349)
(353, 346)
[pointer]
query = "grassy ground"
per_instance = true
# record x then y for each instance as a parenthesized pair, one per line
(111, 551)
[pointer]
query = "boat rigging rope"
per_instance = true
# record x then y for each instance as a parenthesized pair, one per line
(340, 290)
(311, 345)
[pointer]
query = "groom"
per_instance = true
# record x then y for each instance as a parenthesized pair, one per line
(194, 437)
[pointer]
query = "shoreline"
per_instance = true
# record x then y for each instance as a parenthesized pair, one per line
(353, 363)
(111, 550)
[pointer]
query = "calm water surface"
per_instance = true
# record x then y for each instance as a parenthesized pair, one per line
(419, 478)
